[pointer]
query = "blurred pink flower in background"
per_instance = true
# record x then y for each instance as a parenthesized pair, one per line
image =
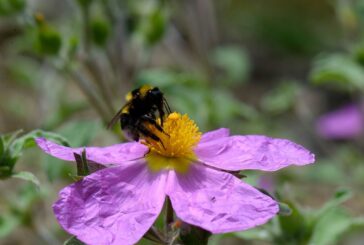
(344, 123)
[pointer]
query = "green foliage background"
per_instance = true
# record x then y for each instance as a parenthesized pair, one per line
(256, 67)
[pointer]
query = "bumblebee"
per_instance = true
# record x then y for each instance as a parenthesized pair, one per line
(144, 105)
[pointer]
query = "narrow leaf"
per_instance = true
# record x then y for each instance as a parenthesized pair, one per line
(338, 198)
(331, 227)
(82, 165)
(27, 140)
(73, 241)
(28, 176)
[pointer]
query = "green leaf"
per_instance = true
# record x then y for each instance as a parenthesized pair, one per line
(100, 30)
(10, 137)
(358, 54)
(280, 99)
(257, 233)
(84, 3)
(338, 70)
(331, 227)
(227, 107)
(339, 197)
(9, 7)
(13, 148)
(73, 241)
(5, 171)
(8, 223)
(331, 221)
(49, 40)
(234, 62)
(27, 140)
(7, 158)
(294, 227)
(17, 5)
(152, 27)
(28, 176)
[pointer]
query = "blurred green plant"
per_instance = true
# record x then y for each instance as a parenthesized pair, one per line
(281, 99)
(73, 241)
(100, 31)
(11, 148)
(48, 39)
(85, 131)
(234, 62)
(216, 106)
(324, 226)
(343, 70)
(339, 71)
(19, 210)
(10, 7)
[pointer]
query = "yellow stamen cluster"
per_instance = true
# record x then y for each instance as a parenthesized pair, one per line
(175, 148)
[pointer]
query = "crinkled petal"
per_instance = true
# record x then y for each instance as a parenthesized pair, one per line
(114, 154)
(215, 134)
(217, 201)
(252, 152)
(112, 206)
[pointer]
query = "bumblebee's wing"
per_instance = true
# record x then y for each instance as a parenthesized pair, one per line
(114, 119)
(117, 116)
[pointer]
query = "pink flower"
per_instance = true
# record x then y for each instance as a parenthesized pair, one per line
(117, 205)
(345, 123)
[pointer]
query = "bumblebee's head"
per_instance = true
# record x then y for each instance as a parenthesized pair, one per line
(154, 95)
(146, 93)
(140, 92)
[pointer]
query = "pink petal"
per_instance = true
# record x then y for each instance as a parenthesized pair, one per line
(215, 134)
(344, 123)
(252, 152)
(218, 201)
(112, 206)
(114, 154)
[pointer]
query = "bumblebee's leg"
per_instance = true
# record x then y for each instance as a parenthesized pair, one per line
(161, 115)
(166, 106)
(162, 109)
(144, 131)
(149, 119)
(152, 121)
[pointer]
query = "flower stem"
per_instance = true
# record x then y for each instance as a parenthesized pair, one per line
(94, 70)
(83, 84)
(86, 28)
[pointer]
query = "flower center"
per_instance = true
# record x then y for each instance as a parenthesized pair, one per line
(175, 148)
